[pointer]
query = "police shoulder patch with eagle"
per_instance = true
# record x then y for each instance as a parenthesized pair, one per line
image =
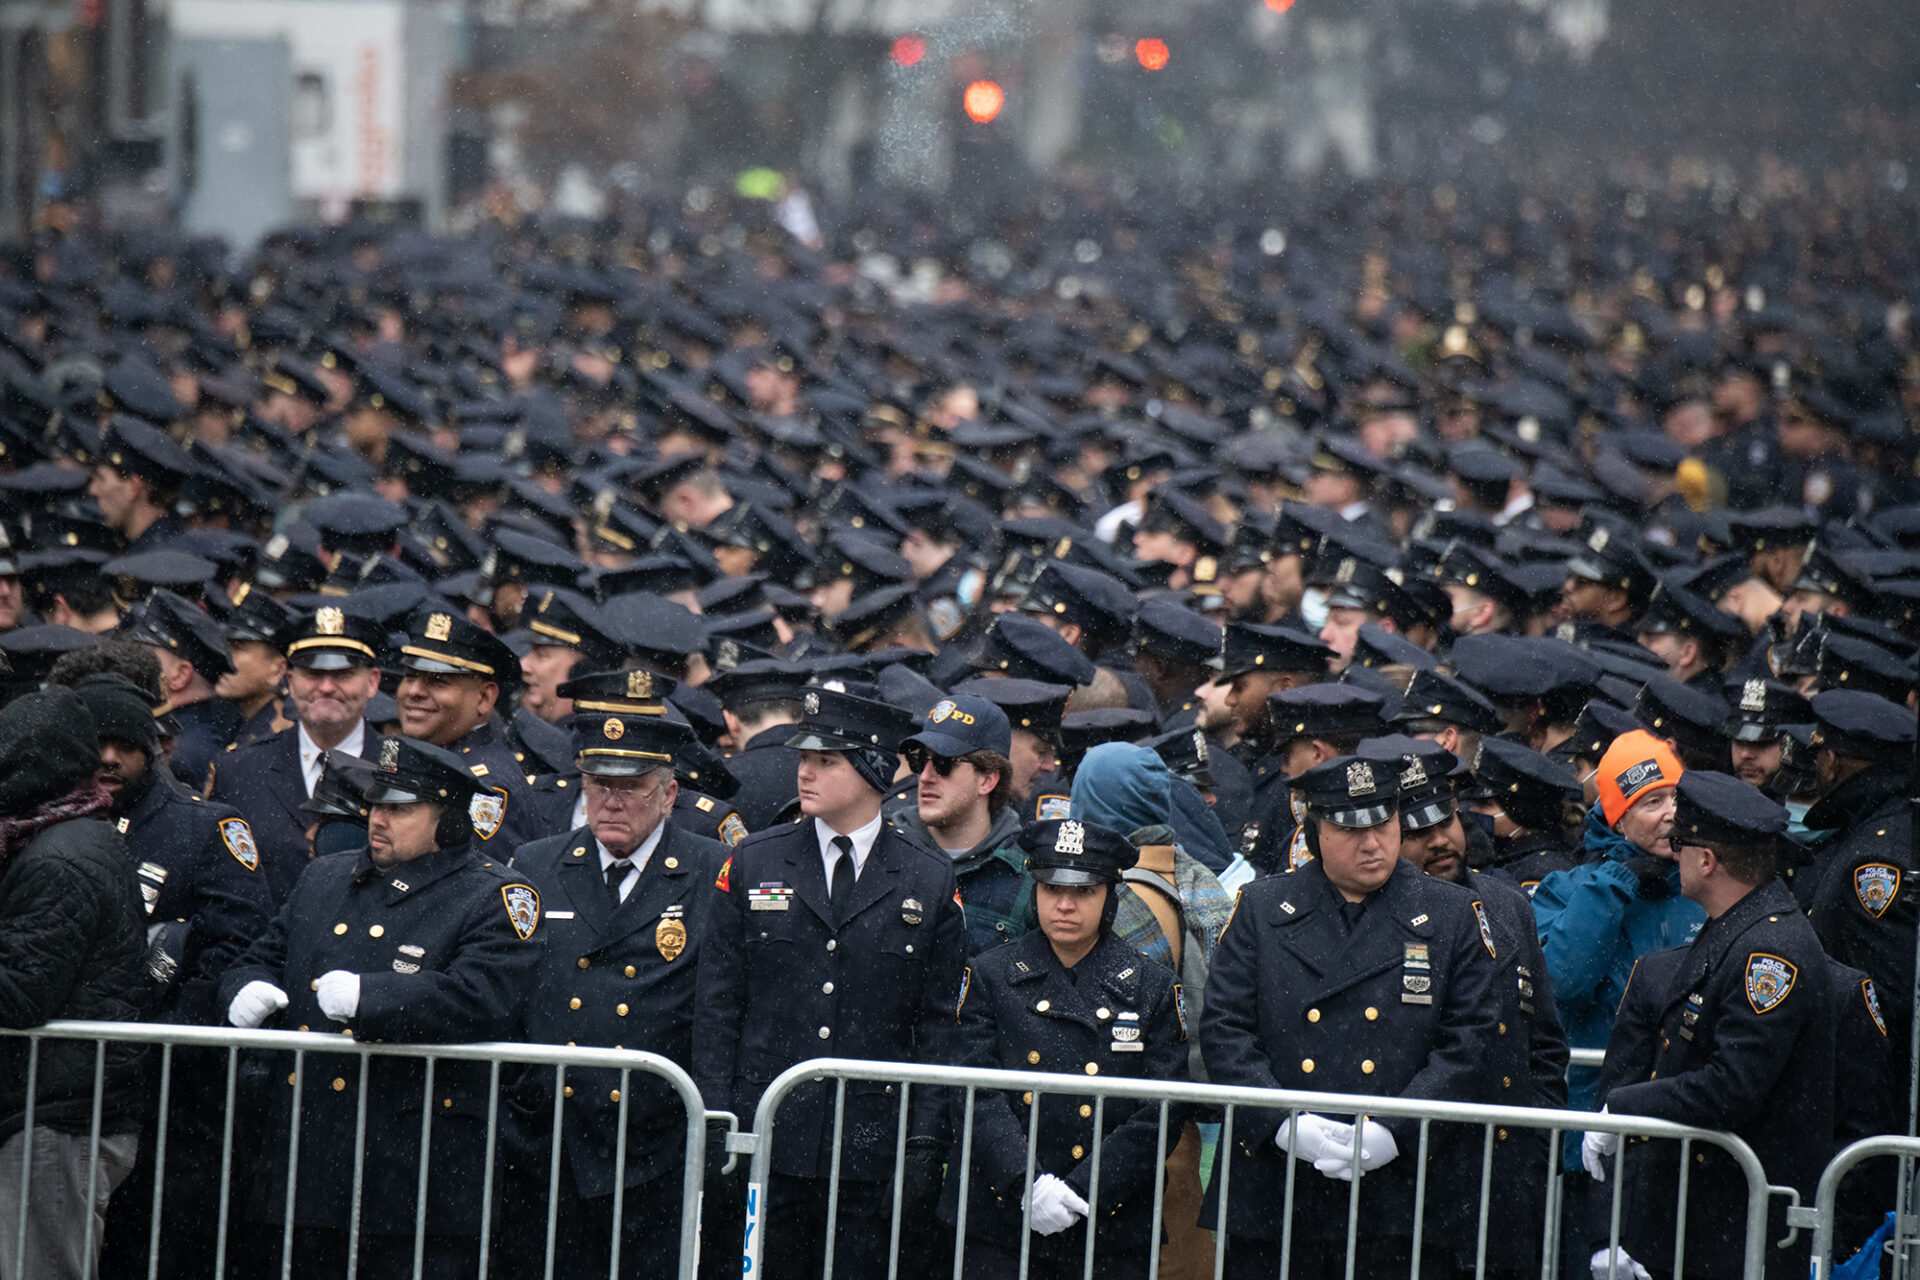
(1770, 980)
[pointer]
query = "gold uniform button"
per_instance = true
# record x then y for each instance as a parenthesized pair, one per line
(672, 863)
(1502, 1134)
(340, 929)
(1503, 1028)
(339, 1084)
(303, 1026)
(1103, 1013)
(1373, 1014)
(1033, 1057)
(1313, 1015)
(1506, 1082)
(1366, 1067)
(574, 1003)
(314, 985)
(613, 1096)
(290, 1077)
(1306, 1065)
(1086, 1112)
(1079, 1152)
(1027, 1097)
(567, 1092)
(446, 1104)
(584, 963)
(377, 931)
(620, 1009)
(1093, 1068)
(632, 972)
(1043, 1006)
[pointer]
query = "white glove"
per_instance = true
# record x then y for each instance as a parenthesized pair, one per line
(1318, 1136)
(1377, 1148)
(1595, 1147)
(1617, 1264)
(339, 994)
(254, 1003)
(1053, 1206)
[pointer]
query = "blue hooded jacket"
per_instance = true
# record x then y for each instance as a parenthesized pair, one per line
(1125, 787)
(1594, 925)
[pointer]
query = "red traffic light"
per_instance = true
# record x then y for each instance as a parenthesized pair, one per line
(1152, 53)
(907, 51)
(983, 101)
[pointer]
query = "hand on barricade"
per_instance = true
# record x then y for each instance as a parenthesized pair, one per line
(1595, 1148)
(1310, 1137)
(1377, 1148)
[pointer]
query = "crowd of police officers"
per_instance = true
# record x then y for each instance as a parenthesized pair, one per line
(668, 637)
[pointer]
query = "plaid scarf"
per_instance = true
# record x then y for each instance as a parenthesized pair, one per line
(83, 801)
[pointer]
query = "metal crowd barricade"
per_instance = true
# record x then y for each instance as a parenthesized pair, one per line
(1228, 1099)
(167, 1038)
(1906, 1234)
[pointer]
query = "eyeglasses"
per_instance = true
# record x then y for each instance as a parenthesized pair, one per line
(628, 789)
(918, 758)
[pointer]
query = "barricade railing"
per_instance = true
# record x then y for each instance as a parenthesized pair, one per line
(1227, 1100)
(1824, 1218)
(166, 1039)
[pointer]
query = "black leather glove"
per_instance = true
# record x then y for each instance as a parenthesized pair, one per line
(1655, 876)
(925, 1171)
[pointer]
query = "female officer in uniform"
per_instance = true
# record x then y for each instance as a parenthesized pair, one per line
(1067, 998)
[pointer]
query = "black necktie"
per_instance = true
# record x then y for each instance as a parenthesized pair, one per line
(840, 892)
(616, 876)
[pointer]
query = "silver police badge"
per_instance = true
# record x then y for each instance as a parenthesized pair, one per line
(941, 710)
(1597, 541)
(1415, 774)
(390, 754)
(1769, 980)
(813, 704)
(523, 908)
(1876, 885)
(1360, 779)
(1070, 840)
(488, 810)
(1753, 695)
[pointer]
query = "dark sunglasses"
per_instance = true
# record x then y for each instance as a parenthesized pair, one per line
(919, 757)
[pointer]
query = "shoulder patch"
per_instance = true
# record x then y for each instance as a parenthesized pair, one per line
(732, 830)
(1180, 1010)
(488, 810)
(1770, 980)
(1871, 994)
(238, 837)
(523, 908)
(1239, 896)
(704, 804)
(1876, 885)
(725, 878)
(1052, 808)
(966, 985)
(1486, 929)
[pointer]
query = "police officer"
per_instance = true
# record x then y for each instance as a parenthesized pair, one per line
(628, 899)
(1069, 998)
(1746, 1041)
(1864, 901)
(1760, 709)
(333, 671)
(1353, 973)
(192, 649)
(206, 900)
(453, 676)
(568, 633)
(1527, 797)
(1529, 1065)
(836, 936)
(417, 939)
(761, 702)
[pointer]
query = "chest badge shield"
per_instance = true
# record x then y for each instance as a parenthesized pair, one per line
(238, 837)
(488, 810)
(670, 938)
(1770, 979)
(523, 908)
(1876, 884)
